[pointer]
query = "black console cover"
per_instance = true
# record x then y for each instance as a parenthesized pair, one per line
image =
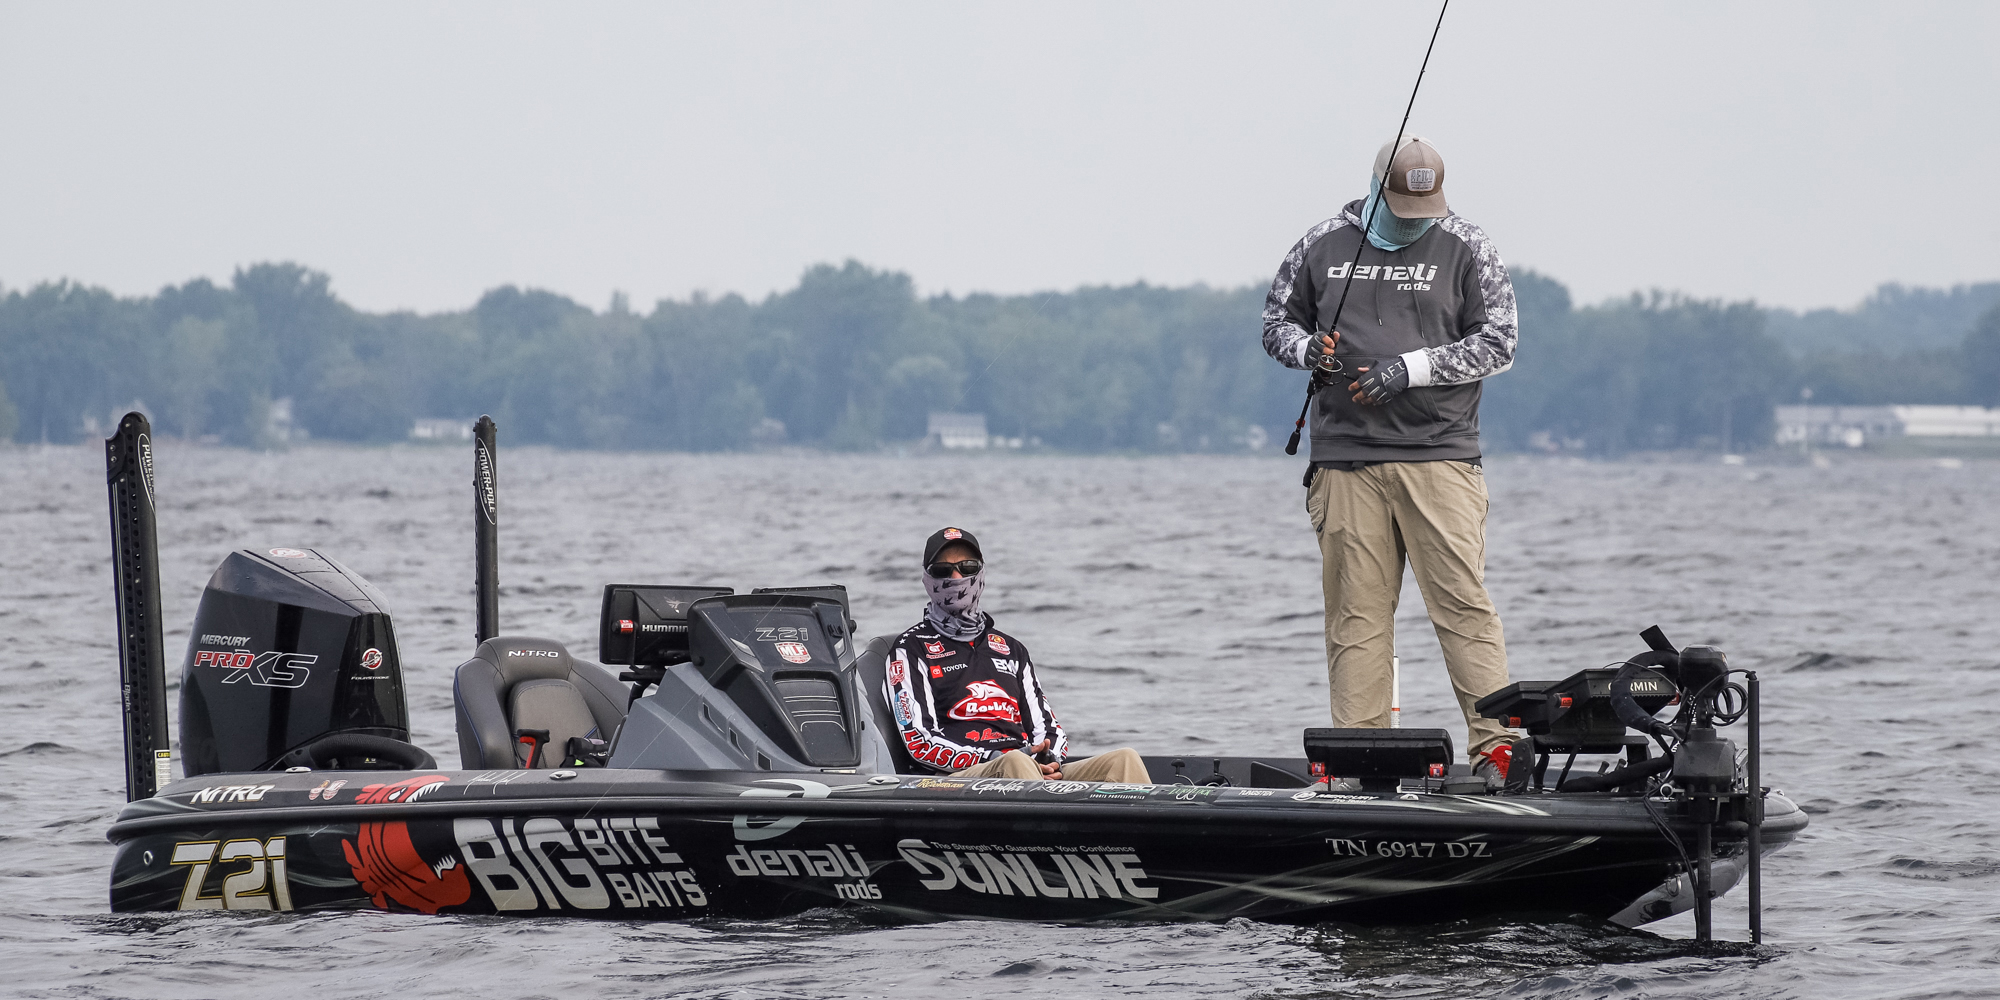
(776, 657)
(1376, 753)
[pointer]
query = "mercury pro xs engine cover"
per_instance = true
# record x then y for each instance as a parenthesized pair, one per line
(288, 647)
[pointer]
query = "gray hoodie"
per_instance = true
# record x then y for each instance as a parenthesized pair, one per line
(1444, 304)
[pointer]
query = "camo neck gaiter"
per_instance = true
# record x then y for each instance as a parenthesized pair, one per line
(954, 608)
(1386, 229)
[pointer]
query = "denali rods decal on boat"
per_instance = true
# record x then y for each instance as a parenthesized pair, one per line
(833, 862)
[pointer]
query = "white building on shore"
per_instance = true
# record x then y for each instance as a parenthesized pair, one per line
(1855, 426)
(958, 430)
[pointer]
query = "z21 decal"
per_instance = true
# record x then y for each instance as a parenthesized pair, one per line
(251, 874)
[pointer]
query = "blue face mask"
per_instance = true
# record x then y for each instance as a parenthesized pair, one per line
(1386, 230)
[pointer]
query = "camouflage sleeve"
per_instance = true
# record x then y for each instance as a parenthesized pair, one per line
(1490, 328)
(1290, 309)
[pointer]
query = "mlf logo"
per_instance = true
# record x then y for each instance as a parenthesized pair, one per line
(269, 669)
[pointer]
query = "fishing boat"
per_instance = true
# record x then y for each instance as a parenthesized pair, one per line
(734, 755)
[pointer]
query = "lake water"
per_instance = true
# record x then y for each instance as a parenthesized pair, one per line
(1174, 607)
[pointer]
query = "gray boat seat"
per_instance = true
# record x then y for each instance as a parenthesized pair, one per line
(871, 673)
(517, 682)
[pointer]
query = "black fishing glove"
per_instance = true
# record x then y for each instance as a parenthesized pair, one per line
(1384, 380)
(1317, 352)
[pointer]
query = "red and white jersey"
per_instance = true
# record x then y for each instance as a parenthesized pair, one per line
(964, 703)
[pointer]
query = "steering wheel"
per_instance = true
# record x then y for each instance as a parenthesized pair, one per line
(347, 749)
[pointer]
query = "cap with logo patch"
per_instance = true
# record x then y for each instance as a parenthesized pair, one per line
(1416, 181)
(950, 536)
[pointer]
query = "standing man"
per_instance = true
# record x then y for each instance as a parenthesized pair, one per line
(1395, 435)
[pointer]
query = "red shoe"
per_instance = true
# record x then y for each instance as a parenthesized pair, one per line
(1493, 764)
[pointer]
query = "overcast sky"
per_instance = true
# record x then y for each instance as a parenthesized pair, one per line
(1794, 153)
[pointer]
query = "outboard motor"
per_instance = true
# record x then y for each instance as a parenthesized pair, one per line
(292, 662)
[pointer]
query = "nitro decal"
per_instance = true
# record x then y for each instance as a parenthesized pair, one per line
(986, 700)
(248, 875)
(794, 652)
(837, 862)
(578, 864)
(230, 793)
(1010, 870)
(548, 654)
(267, 669)
(489, 502)
(414, 872)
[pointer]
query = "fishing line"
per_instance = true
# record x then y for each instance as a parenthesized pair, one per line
(1314, 384)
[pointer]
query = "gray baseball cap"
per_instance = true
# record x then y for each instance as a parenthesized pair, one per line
(1415, 189)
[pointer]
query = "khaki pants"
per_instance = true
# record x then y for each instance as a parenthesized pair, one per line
(1122, 764)
(1368, 521)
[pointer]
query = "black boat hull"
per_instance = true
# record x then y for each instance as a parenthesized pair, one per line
(676, 845)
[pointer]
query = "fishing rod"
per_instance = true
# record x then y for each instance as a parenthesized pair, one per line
(1329, 366)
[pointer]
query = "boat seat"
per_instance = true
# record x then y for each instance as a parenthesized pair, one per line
(871, 671)
(519, 682)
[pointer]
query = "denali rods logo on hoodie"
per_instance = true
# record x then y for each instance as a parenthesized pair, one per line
(987, 700)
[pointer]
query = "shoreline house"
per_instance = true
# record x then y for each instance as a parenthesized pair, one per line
(1856, 426)
(957, 430)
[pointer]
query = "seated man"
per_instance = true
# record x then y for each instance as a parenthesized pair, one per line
(965, 693)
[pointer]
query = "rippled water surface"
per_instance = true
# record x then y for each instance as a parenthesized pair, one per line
(1173, 604)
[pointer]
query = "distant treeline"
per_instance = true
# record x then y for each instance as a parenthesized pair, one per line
(853, 358)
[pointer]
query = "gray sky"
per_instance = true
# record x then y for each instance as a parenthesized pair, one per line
(423, 153)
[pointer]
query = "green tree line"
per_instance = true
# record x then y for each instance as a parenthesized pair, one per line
(853, 358)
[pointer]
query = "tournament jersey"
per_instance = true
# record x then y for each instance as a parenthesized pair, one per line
(964, 703)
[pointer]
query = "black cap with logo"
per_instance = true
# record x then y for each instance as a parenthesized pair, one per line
(950, 536)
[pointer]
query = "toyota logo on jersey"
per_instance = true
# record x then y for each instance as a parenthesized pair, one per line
(987, 700)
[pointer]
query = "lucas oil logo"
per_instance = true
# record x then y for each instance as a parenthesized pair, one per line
(268, 669)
